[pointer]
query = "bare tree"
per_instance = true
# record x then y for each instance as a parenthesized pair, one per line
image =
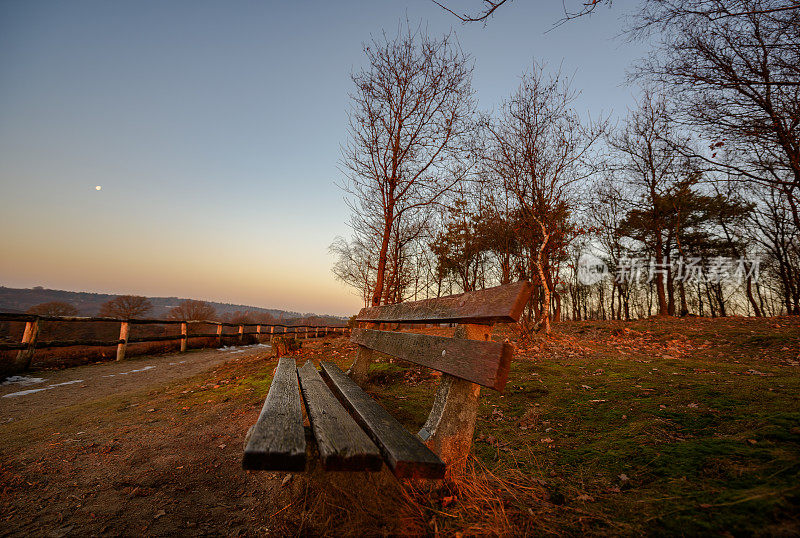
(607, 211)
(193, 311)
(54, 308)
(780, 242)
(582, 8)
(734, 69)
(648, 162)
(410, 108)
(488, 8)
(125, 307)
(354, 265)
(538, 147)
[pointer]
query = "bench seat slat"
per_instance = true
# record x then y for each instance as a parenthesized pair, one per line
(277, 441)
(405, 454)
(499, 304)
(343, 445)
(484, 363)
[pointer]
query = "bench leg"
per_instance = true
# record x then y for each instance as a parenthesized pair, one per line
(451, 423)
(359, 370)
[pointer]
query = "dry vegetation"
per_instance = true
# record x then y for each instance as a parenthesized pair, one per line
(668, 426)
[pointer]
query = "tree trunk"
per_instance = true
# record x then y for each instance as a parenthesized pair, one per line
(720, 299)
(557, 313)
(543, 278)
(682, 293)
(699, 300)
(663, 309)
(381, 272)
(749, 291)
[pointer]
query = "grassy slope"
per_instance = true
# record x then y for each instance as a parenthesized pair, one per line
(657, 427)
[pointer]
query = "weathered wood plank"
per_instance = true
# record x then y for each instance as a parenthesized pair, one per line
(492, 305)
(342, 444)
(158, 338)
(10, 346)
(404, 453)
(277, 441)
(484, 363)
(71, 343)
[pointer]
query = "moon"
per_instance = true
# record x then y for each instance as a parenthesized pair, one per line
(98, 188)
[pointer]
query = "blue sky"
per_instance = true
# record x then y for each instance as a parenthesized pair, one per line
(214, 130)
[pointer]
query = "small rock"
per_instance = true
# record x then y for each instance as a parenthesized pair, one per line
(59, 533)
(159, 514)
(286, 480)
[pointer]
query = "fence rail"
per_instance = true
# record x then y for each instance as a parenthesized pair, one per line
(30, 337)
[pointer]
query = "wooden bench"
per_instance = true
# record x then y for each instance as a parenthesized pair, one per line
(352, 431)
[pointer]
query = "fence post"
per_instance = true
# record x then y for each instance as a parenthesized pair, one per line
(241, 333)
(29, 337)
(185, 335)
(258, 334)
(124, 329)
(219, 334)
(316, 332)
(271, 332)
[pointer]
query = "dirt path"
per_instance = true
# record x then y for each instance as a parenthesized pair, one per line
(45, 391)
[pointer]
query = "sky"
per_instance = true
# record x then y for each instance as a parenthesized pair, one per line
(214, 131)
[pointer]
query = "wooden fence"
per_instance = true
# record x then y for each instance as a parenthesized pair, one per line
(30, 341)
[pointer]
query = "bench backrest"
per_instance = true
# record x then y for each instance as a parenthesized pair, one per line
(483, 362)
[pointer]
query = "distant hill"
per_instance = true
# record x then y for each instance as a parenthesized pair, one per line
(88, 304)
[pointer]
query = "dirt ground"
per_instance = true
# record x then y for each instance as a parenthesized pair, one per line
(137, 453)
(56, 389)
